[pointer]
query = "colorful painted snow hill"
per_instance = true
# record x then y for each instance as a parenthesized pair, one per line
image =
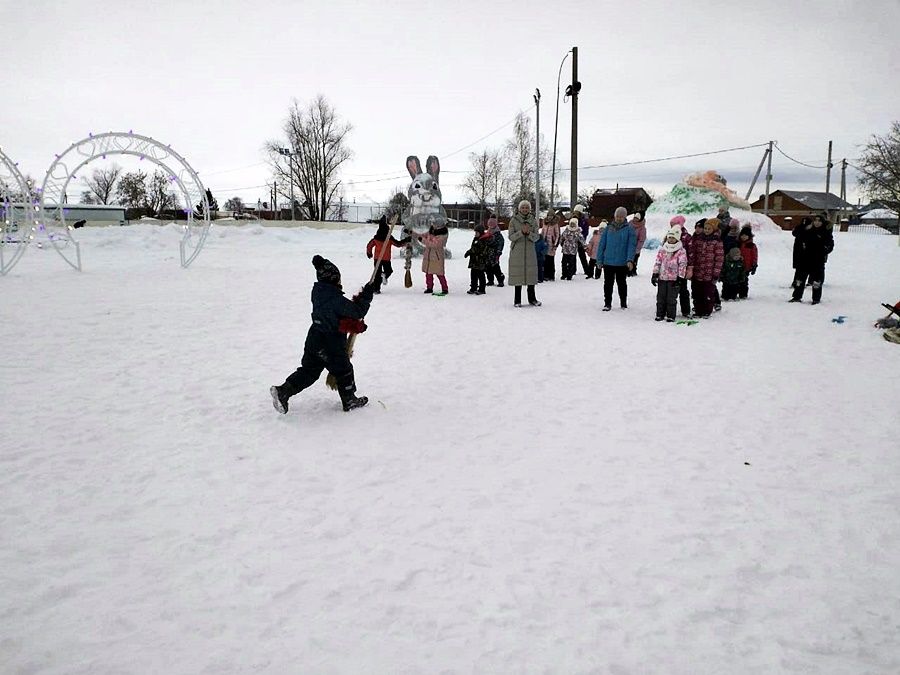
(700, 195)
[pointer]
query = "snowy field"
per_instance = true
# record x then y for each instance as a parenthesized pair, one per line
(530, 490)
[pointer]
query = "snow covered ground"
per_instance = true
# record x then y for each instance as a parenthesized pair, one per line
(531, 490)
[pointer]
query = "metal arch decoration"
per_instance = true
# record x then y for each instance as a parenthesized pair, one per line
(17, 223)
(52, 192)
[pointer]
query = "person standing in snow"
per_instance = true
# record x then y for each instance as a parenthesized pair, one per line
(493, 270)
(333, 318)
(584, 226)
(669, 274)
(750, 256)
(540, 248)
(615, 255)
(551, 236)
(523, 233)
(572, 242)
(593, 267)
(816, 243)
(640, 229)
(734, 276)
(684, 294)
(707, 258)
(479, 254)
(435, 242)
(374, 251)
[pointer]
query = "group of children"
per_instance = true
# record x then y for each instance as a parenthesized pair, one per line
(719, 250)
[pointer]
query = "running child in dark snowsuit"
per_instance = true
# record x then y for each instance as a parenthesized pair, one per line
(373, 251)
(333, 317)
(479, 255)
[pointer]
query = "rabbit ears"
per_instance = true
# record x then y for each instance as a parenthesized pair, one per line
(432, 165)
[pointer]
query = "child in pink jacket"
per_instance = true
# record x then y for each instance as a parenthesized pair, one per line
(669, 273)
(593, 271)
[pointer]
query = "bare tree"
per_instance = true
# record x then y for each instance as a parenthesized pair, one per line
(131, 190)
(87, 197)
(520, 156)
(479, 182)
(159, 195)
(879, 167)
(102, 183)
(235, 204)
(318, 142)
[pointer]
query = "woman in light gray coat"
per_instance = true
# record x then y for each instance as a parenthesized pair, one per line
(523, 233)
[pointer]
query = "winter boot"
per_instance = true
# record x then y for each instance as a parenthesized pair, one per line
(501, 281)
(349, 399)
(428, 291)
(279, 400)
(817, 293)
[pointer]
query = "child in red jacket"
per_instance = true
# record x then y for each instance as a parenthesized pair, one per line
(374, 250)
(750, 254)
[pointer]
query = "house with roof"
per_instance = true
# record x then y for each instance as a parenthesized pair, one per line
(788, 207)
(605, 202)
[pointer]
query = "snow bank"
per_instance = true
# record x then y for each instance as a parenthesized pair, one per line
(533, 490)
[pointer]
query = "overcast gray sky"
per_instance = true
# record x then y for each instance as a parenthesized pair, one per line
(660, 78)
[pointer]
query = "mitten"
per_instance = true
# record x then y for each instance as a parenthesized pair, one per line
(369, 256)
(753, 270)
(466, 254)
(654, 279)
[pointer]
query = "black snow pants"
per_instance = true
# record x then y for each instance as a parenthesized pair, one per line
(324, 350)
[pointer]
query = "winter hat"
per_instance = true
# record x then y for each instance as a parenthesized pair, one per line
(735, 254)
(674, 232)
(622, 211)
(677, 221)
(326, 271)
(578, 208)
(573, 224)
(746, 229)
(524, 202)
(712, 221)
(479, 228)
(700, 223)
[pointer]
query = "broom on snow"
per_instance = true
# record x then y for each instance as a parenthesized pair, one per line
(331, 380)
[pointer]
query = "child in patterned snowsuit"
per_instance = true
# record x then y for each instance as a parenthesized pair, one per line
(669, 274)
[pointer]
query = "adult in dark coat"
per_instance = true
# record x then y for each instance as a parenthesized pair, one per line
(816, 242)
(333, 317)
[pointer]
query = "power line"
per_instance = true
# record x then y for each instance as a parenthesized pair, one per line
(797, 161)
(666, 159)
(502, 126)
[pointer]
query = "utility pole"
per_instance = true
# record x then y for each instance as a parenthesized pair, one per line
(768, 179)
(537, 157)
(574, 89)
(290, 155)
(843, 187)
(756, 175)
(275, 199)
(556, 133)
(828, 180)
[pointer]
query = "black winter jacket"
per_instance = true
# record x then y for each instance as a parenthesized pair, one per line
(330, 306)
(815, 245)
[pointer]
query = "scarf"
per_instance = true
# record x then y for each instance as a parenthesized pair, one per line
(673, 248)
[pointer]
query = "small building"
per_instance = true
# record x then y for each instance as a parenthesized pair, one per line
(788, 207)
(605, 202)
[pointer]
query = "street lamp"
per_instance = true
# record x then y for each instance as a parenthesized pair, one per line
(537, 156)
(555, 132)
(290, 155)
